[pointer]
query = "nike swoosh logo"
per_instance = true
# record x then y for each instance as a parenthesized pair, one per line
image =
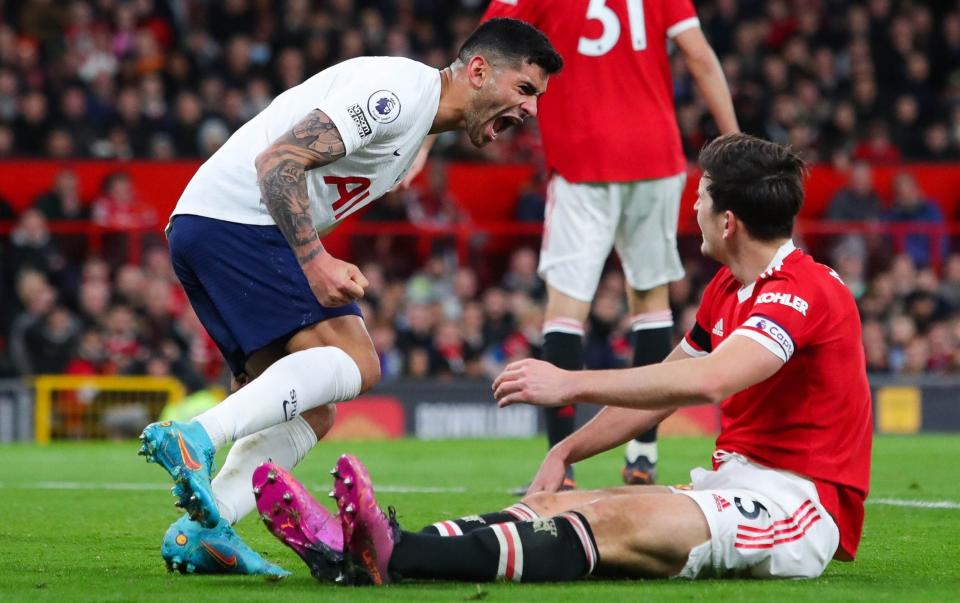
(188, 460)
(396, 153)
(220, 558)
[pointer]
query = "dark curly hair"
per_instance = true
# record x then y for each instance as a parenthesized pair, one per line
(513, 40)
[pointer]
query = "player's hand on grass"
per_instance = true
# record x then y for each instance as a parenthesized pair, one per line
(549, 477)
(532, 382)
(334, 281)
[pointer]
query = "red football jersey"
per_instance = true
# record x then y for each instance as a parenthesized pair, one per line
(813, 417)
(609, 115)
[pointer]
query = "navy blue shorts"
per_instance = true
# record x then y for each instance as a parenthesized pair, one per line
(245, 284)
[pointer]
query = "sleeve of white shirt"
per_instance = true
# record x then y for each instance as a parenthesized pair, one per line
(374, 105)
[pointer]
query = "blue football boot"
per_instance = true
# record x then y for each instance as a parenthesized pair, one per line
(186, 452)
(191, 548)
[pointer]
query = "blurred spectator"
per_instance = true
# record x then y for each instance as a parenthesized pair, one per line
(391, 358)
(434, 205)
(122, 339)
(878, 146)
(90, 356)
(32, 248)
(911, 207)
(858, 201)
(131, 286)
(6, 210)
(118, 206)
(93, 302)
(62, 202)
(937, 145)
(30, 127)
(37, 298)
(51, 341)
(522, 275)
(950, 287)
(599, 344)
(498, 322)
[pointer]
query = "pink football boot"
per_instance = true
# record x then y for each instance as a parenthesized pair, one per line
(369, 534)
(300, 522)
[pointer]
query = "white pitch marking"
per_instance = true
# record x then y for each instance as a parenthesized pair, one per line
(397, 489)
(917, 504)
(83, 486)
(413, 489)
(140, 486)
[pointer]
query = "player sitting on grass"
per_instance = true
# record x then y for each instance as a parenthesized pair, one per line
(245, 243)
(776, 345)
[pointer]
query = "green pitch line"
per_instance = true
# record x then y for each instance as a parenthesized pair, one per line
(83, 521)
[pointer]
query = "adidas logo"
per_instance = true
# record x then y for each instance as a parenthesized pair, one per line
(718, 328)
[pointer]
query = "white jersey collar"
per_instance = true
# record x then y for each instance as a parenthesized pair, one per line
(744, 293)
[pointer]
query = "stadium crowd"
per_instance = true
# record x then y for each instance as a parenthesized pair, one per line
(851, 83)
(877, 80)
(88, 316)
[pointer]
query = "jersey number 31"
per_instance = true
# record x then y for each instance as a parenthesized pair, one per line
(598, 10)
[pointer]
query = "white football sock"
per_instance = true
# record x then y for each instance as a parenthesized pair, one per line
(637, 449)
(284, 445)
(289, 387)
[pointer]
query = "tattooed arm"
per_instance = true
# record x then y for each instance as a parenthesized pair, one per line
(281, 175)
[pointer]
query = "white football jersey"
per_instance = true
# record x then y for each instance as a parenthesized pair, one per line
(383, 108)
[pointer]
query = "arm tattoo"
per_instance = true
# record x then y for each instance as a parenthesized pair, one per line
(311, 143)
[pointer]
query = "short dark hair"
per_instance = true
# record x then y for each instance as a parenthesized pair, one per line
(513, 40)
(760, 181)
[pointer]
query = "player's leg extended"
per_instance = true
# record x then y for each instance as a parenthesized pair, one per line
(578, 235)
(639, 535)
(662, 530)
(287, 443)
(534, 506)
(647, 245)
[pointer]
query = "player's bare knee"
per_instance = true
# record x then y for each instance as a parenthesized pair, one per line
(369, 364)
(544, 503)
(321, 419)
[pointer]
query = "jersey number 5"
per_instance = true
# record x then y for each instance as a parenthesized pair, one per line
(352, 190)
(599, 11)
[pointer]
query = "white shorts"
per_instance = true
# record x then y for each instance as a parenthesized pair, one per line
(764, 523)
(584, 222)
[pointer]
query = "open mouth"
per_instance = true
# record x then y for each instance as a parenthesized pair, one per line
(504, 123)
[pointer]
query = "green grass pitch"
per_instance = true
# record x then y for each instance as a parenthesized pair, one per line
(84, 522)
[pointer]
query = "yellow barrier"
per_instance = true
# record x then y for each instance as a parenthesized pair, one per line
(82, 407)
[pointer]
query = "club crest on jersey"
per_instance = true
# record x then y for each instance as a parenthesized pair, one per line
(794, 301)
(383, 106)
(360, 120)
